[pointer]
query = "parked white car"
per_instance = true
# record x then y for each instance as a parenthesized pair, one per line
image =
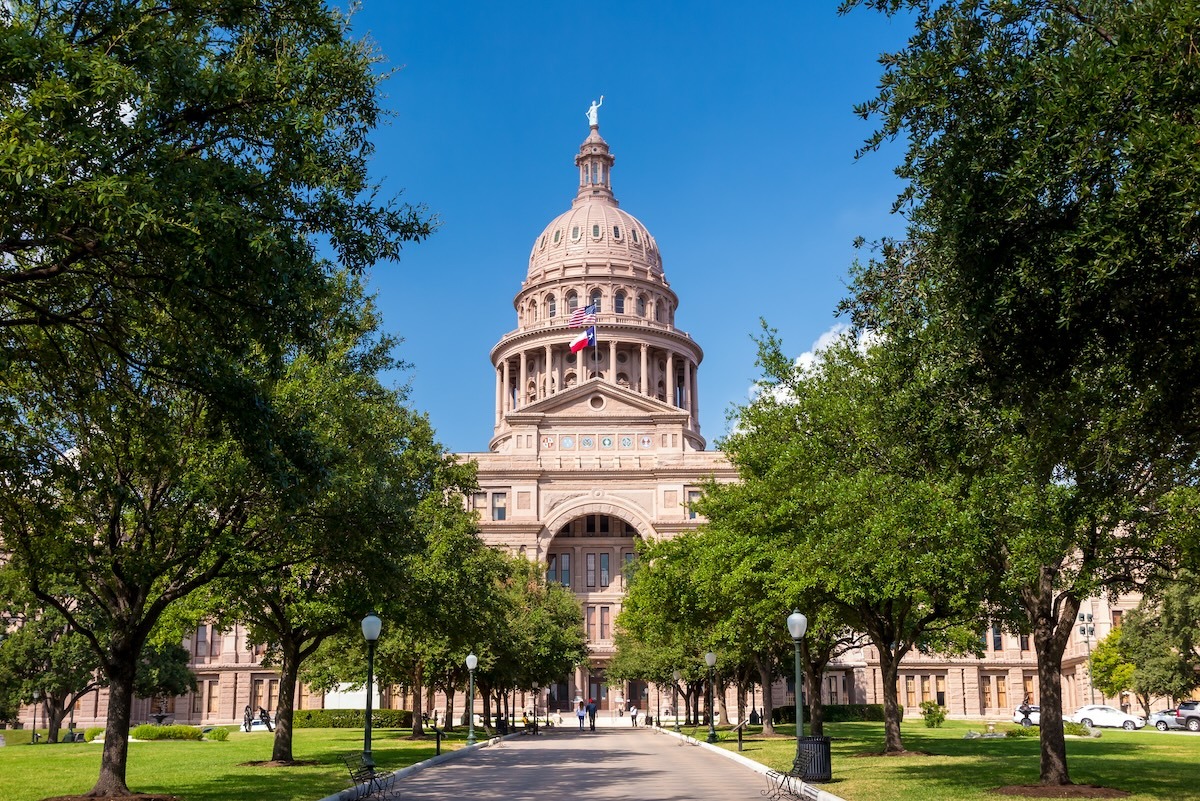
(1095, 715)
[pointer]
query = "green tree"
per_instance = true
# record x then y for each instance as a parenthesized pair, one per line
(1050, 253)
(1112, 673)
(170, 170)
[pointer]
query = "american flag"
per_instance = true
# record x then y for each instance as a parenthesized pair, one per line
(583, 317)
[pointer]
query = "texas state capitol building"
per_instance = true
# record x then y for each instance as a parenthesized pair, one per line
(595, 449)
(591, 451)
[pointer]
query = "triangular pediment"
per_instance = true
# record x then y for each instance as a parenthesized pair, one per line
(598, 400)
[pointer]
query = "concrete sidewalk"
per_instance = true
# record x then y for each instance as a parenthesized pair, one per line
(610, 763)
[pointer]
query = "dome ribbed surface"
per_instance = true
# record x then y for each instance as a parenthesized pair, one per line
(595, 232)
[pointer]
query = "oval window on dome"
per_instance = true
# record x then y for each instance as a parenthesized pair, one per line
(635, 236)
(595, 231)
(557, 236)
(616, 232)
(543, 241)
(574, 233)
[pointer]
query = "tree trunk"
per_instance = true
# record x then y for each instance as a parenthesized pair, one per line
(55, 709)
(1050, 634)
(115, 756)
(888, 668)
(449, 716)
(719, 692)
(285, 706)
(765, 677)
(814, 670)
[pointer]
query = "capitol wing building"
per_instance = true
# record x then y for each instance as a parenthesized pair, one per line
(596, 443)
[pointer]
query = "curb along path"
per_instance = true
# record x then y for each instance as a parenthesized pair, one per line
(605, 764)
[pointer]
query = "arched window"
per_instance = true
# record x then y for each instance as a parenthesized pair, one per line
(551, 306)
(622, 380)
(641, 306)
(619, 303)
(658, 310)
(595, 300)
(635, 236)
(533, 310)
(572, 301)
(570, 380)
(616, 233)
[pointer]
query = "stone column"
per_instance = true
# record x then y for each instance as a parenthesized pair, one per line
(612, 361)
(687, 384)
(671, 378)
(499, 394)
(644, 377)
(524, 373)
(507, 386)
(695, 397)
(546, 372)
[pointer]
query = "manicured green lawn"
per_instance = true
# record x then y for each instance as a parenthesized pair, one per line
(209, 771)
(1147, 763)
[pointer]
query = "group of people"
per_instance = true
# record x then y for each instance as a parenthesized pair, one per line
(263, 715)
(588, 710)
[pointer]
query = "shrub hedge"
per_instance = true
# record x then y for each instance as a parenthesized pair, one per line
(92, 734)
(148, 731)
(218, 733)
(835, 713)
(351, 719)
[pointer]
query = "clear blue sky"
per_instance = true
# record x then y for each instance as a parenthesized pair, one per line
(734, 139)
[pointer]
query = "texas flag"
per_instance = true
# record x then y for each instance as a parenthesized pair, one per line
(586, 339)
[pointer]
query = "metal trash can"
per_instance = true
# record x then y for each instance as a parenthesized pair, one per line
(820, 762)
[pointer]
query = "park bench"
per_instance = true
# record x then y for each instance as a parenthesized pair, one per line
(367, 779)
(790, 785)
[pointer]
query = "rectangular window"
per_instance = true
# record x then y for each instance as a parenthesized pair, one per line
(926, 690)
(1002, 692)
(256, 694)
(1030, 689)
(499, 505)
(987, 691)
(833, 689)
(1117, 614)
(692, 497)
(997, 638)
(213, 688)
(198, 699)
(201, 642)
(604, 581)
(1024, 639)
(591, 624)
(604, 632)
(272, 693)
(214, 641)
(564, 569)
(552, 568)
(941, 690)
(910, 691)
(590, 569)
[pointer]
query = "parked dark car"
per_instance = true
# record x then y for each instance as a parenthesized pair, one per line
(1187, 714)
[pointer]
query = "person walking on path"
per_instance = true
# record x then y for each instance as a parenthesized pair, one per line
(591, 713)
(633, 712)
(580, 713)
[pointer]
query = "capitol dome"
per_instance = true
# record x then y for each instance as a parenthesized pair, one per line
(595, 230)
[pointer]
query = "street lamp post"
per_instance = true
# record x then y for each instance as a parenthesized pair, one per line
(536, 692)
(371, 624)
(472, 662)
(711, 659)
(1086, 630)
(37, 694)
(675, 698)
(797, 624)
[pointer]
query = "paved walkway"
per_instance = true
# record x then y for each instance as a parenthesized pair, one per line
(568, 764)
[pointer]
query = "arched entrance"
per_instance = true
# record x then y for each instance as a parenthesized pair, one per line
(593, 552)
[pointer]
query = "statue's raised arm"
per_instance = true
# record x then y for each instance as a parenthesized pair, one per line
(593, 113)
